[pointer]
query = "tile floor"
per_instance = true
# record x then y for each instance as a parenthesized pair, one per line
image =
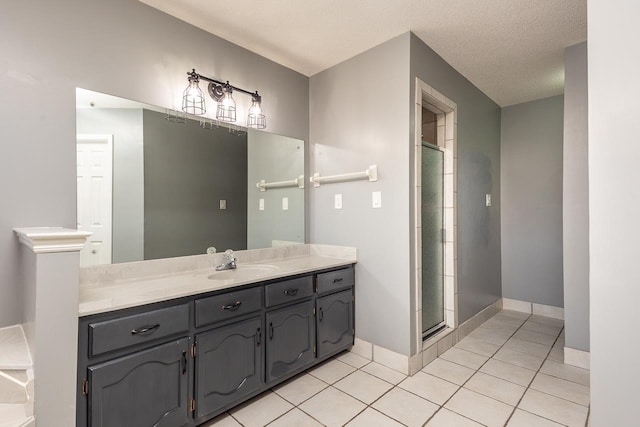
(508, 372)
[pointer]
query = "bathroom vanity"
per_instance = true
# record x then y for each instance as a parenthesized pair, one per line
(178, 349)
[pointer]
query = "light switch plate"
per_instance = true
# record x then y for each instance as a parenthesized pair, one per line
(285, 203)
(376, 199)
(487, 199)
(261, 204)
(338, 201)
(223, 204)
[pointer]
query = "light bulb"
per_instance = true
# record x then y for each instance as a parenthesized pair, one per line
(193, 99)
(226, 111)
(256, 118)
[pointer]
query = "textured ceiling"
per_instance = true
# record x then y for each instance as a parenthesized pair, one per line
(511, 49)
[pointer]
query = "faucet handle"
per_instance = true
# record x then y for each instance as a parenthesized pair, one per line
(228, 254)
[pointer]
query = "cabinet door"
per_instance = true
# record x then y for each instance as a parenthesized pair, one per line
(145, 389)
(228, 364)
(291, 337)
(335, 322)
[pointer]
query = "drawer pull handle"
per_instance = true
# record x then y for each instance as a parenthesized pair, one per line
(145, 329)
(337, 280)
(233, 307)
(290, 292)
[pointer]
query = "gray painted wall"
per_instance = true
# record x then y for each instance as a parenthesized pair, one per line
(128, 175)
(351, 127)
(274, 158)
(531, 178)
(614, 209)
(120, 47)
(478, 174)
(353, 124)
(575, 199)
(187, 171)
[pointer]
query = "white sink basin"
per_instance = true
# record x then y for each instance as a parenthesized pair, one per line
(244, 272)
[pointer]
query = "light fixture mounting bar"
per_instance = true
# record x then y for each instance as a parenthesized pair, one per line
(194, 75)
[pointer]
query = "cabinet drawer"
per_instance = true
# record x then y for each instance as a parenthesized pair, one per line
(335, 280)
(228, 305)
(289, 290)
(138, 328)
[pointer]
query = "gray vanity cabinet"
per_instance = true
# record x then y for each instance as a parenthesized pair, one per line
(334, 319)
(228, 365)
(182, 362)
(147, 388)
(290, 340)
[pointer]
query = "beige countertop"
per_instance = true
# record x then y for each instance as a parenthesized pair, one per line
(109, 288)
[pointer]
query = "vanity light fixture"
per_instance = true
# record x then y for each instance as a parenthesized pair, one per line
(221, 92)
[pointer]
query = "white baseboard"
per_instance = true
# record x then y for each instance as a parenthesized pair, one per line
(533, 308)
(579, 358)
(548, 311)
(429, 350)
(516, 305)
(363, 348)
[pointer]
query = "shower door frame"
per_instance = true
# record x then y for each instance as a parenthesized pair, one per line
(446, 113)
(427, 333)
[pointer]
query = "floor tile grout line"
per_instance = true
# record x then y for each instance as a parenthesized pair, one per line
(384, 394)
(480, 367)
(380, 378)
(396, 385)
(565, 379)
(558, 397)
(447, 409)
(342, 391)
(387, 415)
(540, 416)
(477, 370)
(311, 416)
(586, 422)
(533, 379)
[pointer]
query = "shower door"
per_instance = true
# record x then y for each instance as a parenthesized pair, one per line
(432, 239)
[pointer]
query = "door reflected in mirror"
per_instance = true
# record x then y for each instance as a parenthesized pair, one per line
(151, 188)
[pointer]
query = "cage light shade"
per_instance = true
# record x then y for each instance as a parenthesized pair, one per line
(226, 111)
(193, 99)
(256, 118)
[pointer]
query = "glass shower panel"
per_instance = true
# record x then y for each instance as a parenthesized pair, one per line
(432, 239)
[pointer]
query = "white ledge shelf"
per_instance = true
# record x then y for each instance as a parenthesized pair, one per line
(370, 174)
(52, 239)
(298, 182)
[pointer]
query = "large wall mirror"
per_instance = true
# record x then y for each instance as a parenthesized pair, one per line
(155, 185)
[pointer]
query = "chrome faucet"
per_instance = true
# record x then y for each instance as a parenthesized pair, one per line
(229, 261)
